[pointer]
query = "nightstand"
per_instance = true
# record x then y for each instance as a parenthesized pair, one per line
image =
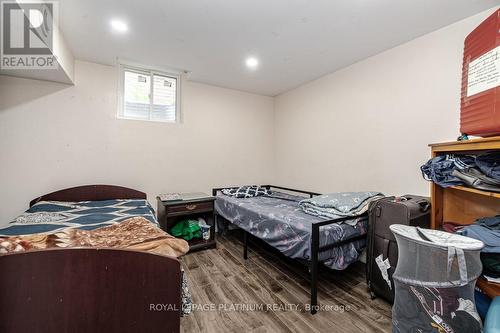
(192, 206)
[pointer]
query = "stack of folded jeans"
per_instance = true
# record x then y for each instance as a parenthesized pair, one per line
(489, 163)
(481, 172)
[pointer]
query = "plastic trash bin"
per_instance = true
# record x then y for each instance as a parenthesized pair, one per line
(434, 281)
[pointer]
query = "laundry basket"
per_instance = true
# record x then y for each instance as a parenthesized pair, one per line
(434, 281)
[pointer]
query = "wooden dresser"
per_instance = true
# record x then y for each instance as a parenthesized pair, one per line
(463, 205)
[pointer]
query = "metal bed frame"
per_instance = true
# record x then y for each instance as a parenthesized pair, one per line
(313, 264)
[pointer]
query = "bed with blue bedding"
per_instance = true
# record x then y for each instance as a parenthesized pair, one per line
(279, 221)
(332, 232)
(104, 207)
(93, 226)
(53, 216)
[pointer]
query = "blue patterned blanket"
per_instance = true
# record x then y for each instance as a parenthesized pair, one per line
(340, 204)
(52, 216)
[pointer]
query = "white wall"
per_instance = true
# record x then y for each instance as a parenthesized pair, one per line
(54, 136)
(367, 127)
(364, 127)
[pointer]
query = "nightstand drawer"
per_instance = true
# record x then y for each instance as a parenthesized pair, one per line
(194, 207)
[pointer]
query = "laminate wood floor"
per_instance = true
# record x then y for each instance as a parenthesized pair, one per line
(268, 293)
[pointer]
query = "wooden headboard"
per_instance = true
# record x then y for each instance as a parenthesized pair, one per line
(91, 193)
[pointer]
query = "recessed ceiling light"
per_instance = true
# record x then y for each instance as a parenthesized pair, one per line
(36, 18)
(252, 62)
(119, 25)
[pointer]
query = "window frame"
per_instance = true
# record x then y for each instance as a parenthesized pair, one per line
(151, 72)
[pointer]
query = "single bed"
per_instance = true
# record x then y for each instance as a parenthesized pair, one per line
(279, 221)
(87, 289)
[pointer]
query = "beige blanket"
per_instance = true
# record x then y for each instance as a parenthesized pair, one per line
(135, 233)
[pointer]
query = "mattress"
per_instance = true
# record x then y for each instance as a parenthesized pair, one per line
(52, 216)
(280, 222)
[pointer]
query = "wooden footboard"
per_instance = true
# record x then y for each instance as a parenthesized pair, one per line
(89, 290)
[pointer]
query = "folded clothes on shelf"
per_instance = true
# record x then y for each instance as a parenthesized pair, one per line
(491, 264)
(492, 222)
(487, 230)
(481, 172)
(489, 163)
(490, 237)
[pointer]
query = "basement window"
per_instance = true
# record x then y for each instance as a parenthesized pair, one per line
(148, 95)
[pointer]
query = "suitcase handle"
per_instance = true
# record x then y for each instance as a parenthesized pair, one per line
(424, 205)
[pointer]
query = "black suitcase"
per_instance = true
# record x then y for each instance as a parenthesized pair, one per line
(382, 251)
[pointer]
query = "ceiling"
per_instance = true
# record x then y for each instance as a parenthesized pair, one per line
(295, 41)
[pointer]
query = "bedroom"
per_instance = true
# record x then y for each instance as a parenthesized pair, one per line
(321, 97)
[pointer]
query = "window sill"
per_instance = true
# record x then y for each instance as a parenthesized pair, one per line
(174, 122)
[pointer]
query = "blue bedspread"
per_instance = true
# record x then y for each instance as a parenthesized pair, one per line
(52, 216)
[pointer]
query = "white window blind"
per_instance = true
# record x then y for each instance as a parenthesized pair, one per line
(149, 95)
